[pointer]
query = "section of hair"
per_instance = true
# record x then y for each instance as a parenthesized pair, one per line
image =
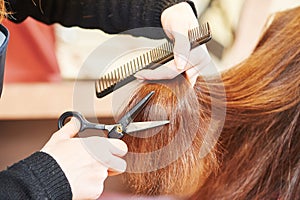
(2, 10)
(168, 160)
(260, 141)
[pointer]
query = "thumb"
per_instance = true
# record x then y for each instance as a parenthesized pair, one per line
(181, 50)
(70, 129)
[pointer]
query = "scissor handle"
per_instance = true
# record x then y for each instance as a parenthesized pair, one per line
(62, 119)
(84, 124)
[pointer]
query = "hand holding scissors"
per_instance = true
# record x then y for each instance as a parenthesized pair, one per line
(124, 125)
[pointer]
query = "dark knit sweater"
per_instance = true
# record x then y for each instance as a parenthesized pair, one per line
(111, 16)
(36, 177)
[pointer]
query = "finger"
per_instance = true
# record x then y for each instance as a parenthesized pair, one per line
(103, 149)
(182, 46)
(118, 147)
(116, 166)
(200, 62)
(113, 173)
(70, 129)
(181, 50)
(107, 152)
(177, 27)
(198, 58)
(167, 71)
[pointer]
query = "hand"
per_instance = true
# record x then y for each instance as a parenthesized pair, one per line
(176, 21)
(85, 169)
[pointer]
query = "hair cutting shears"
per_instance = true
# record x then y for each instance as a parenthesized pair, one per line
(123, 126)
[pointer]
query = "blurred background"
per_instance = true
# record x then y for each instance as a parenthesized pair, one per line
(43, 63)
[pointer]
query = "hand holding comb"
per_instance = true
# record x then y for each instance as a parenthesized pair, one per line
(149, 60)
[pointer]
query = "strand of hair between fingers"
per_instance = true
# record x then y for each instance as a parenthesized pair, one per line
(40, 5)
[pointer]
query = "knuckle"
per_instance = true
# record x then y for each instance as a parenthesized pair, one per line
(123, 166)
(105, 160)
(103, 175)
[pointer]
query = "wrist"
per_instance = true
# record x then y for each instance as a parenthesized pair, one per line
(48, 175)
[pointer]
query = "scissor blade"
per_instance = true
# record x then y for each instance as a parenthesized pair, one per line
(139, 126)
(133, 112)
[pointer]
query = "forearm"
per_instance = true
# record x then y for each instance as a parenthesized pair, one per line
(36, 177)
(112, 16)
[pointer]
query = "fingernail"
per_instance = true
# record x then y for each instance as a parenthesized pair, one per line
(139, 77)
(140, 80)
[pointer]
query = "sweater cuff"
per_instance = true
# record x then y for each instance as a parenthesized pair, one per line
(12, 9)
(191, 3)
(162, 5)
(50, 175)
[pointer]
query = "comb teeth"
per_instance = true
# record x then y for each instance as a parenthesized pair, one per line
(149, 60)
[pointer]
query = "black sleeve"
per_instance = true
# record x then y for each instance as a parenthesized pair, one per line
(36, 177)
(111, 16)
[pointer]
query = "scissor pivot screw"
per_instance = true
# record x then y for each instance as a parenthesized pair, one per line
(119, 129)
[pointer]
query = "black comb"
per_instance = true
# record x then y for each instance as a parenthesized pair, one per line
(149, 60)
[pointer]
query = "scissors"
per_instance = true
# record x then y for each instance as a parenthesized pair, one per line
(123, 126)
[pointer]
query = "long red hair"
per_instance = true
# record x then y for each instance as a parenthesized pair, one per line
(2, 10)
(167, 160)
(257, 154)
(260, 142)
